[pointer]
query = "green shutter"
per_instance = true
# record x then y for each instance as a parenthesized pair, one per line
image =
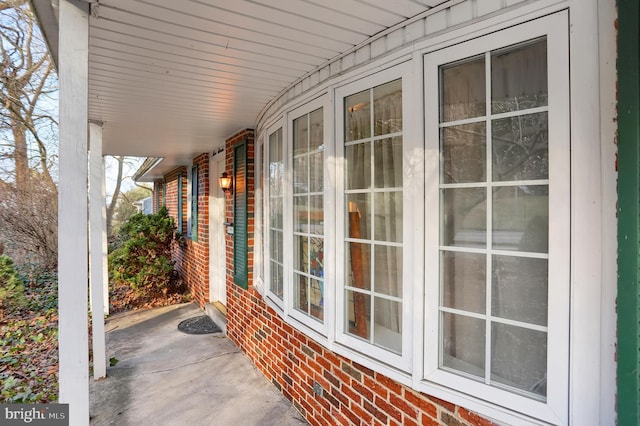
(240, 201)
(628, 395)
(179, 224)
(164, 193)
(194, 203)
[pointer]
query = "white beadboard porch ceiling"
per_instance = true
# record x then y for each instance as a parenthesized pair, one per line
(174, 78)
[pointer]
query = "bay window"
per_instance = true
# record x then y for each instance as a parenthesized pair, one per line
(439, 258)
(498, 229)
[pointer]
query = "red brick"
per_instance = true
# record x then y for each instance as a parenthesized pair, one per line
(388, 408)
(393, 386)
(403, 406)
(473, 418)
(376, 387)
(421, 402)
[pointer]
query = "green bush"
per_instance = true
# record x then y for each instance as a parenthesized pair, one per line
(11, 288)
(143, 256)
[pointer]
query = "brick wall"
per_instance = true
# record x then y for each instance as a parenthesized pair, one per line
(351, 393)
(191, 257)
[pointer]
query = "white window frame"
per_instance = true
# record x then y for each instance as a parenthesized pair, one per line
(329, 217)
(554, 28)
(412, 190)
(275, 301)
(258, 260)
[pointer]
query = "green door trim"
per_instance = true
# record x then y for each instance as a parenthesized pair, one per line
(628, 306)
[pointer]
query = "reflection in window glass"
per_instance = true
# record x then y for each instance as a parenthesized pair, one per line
(373, 215)
(308, 215)
(276, 175)
(494, 219)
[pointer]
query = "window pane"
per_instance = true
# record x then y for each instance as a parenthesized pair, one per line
(275, 212)
(316, 256)
(463, 217)
(519, 78)
(388, 223)
(463, 90)
(463, 344)
(358, 314)
(388, 324)
(276, 279)
(357, 123)
(316, 215)
(464, 281)
(388, 162)
(300, 293)
(358, 167)
(387, 108)
(464, 153)
(388, 270)
(316, 165)
(358, 265)
(521, 218)
(521, 147)
(317, 130)
(359, 213)
(316, 295)
(301, 253)
(301, 213)
(276, 245)
(301, 174)
(519, 289)
(519, 358)
(300, 135)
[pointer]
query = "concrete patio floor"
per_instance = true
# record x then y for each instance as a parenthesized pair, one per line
(166, 377)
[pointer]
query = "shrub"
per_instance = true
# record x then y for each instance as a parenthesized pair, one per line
(143, 256)
(11, 289)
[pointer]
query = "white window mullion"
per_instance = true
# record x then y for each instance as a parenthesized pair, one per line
(489, 219)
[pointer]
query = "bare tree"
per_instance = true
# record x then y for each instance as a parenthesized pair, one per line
(28, 138)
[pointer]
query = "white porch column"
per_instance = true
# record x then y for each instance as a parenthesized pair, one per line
(73, 339)
(105, 245)
(97, 233)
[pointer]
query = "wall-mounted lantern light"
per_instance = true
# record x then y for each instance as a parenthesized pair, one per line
(224, 182)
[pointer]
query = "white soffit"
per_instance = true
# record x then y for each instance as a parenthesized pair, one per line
(173, 78)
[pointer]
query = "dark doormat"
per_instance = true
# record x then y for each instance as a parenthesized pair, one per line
(198, 325)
